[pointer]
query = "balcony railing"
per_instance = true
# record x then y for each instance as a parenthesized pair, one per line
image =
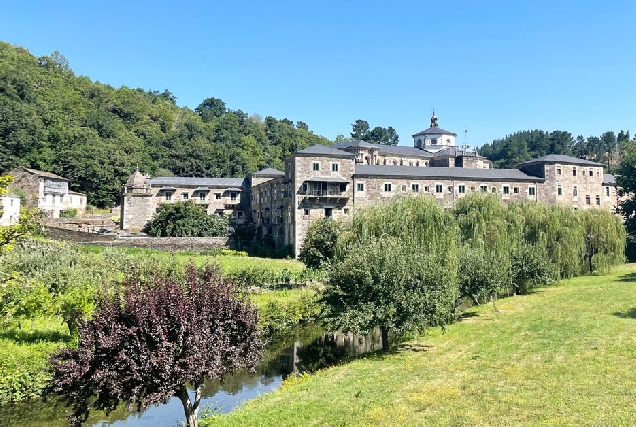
(324, 193)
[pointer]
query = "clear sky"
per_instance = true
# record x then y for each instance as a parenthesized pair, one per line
(491, 67)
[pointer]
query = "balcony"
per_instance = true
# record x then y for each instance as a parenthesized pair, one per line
(231, 204)
(324, 193)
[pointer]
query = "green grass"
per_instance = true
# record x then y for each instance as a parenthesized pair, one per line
(229, 263)
(24, 355)
(564, 355)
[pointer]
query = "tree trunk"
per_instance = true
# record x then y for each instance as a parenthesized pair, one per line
(191, 409)
(385, 338)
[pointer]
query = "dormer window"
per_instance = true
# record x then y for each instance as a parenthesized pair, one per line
(433, 141)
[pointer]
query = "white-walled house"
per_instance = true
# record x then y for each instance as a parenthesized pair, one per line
(9, 209)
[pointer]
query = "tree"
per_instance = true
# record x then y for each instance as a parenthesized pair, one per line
(360, 130)
(149, 339)
(211, 109)
(27, 223)
(626, 180)
(395, 267)
(320, 244)
(185, 219)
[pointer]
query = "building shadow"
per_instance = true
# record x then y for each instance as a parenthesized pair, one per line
(631, 277)
(627, 314)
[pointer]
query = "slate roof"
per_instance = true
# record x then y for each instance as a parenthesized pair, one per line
(608, 179)
(357, 143)
(45, 174)
(196, 182)
(269, 172)
(560, 158)
(444, 173)
(404, 151)
(434, 131)
(324, 151)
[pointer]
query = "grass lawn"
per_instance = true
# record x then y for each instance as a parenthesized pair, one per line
(564, 355)
(229, 263)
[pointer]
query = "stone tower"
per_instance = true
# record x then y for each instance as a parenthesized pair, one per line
(136, 203)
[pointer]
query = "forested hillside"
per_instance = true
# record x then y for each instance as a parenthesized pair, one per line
(96, 135)
(508, 152)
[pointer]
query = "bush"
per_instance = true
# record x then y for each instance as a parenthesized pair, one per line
(185, 219)
(68, 213)
(320, 244)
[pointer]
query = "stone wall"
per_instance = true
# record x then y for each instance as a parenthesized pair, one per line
(173, 243)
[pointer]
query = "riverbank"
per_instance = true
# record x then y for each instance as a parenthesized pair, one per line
(564, 355)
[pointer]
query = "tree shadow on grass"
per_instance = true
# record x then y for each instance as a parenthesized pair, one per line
(631, 277)
(22, 336)
(627, 314)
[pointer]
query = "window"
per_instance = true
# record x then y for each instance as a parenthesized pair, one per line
(515, 190)
(306, 212)
(493, 190)
(607, 192)
(558, 171)
(591, 172)
(168, 196)
(415, 187)
(315, 166)
(573, 171)
(233, 197)
(387, 186)
(598, 200)
(345, 211)
(575, 191)
(559, 190)
(531, 191)
(426, 189)
(305, 188)
(462, 189)
(433, 141)
(587, 200)
(360, 186)
(201, 196)
(239, 215)
(438, 188)
(334, 167)
(184, 196)
(506, 189)
(403, 187)
(483, 187)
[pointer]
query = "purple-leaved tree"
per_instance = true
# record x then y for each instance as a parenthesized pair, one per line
(148, 338)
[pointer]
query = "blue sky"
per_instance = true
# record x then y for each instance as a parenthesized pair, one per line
(491, 67)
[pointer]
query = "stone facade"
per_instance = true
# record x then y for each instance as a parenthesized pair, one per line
(46, 191)
(334, 181)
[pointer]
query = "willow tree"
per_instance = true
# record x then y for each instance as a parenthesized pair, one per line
(490, 242)
(395, 267)
(605, 239)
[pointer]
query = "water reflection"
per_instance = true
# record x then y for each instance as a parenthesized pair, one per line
(309, 349)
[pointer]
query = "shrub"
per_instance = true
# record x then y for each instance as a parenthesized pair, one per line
(185, 219)
(68, 213)
(320, 243)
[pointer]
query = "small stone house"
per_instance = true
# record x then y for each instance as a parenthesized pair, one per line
(46, 191)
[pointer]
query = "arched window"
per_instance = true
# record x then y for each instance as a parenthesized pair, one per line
(418, 163)
(394, 162)
(385, 161)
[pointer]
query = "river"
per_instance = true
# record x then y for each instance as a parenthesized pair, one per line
(306, 350)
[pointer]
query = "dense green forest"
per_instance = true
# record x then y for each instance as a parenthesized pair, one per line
(96, 135)
(508, 152)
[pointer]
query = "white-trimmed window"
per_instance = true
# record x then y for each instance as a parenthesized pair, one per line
(559, 190)
(201, 196)
(461, 189)
(387, 187)
(439, 188)
(558, 171)
(588, 200)
(334, 167)
(168, 196)
(575, 191)
(532, 191)
(184, 196)
(598, 200)
(217, 196)
(515, 190)
(415, 187)
(306, 212)
(573, 171)
(315, 166)
(483, 187)
(505, 189)
(607, 192)
(233, 197)
(359, 186)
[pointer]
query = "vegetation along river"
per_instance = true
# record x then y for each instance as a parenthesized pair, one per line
(307, 349)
